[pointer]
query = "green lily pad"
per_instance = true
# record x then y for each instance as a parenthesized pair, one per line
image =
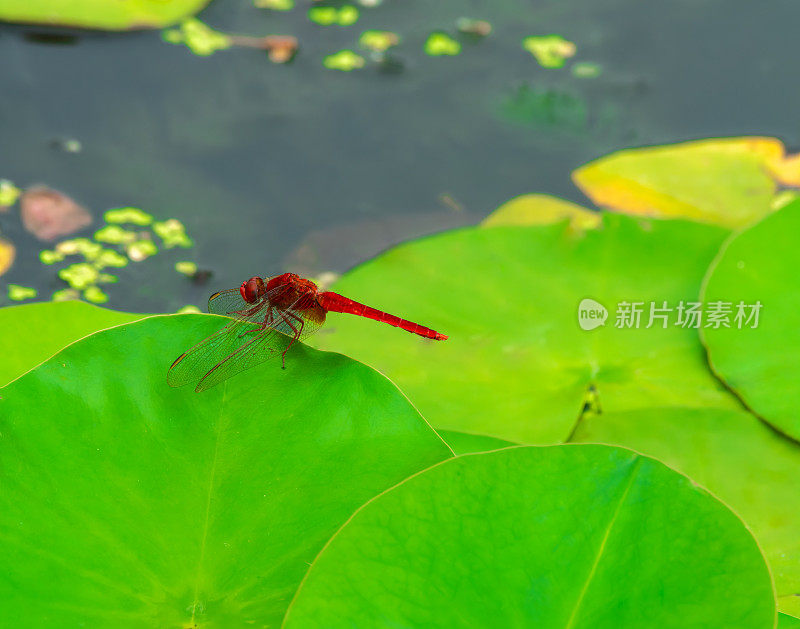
(465, 443)
(32, 333)
(551, 51)
(728, 182)
(542, 209)
(589, 537)
(517, 366)
(788, 622)
(755, 274)
(100, 14)
(739, 459)
(131, 504)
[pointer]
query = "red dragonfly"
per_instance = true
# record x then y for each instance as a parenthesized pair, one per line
(265, 312)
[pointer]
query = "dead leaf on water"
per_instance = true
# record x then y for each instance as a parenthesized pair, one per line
(49, 214)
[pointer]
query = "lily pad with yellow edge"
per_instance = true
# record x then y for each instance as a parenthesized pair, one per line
(542, 209)
(726, 181)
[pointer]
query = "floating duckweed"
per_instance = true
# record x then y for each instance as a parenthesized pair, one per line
(187, 268)
(326, 16)
(344, 60)
(348, 14)
(551, 51)
(107, 278)
(478, 28)
(189, 310)
(275, 5)
(370, 3)
(66, 294)
(378, 41)
(115, 235)
(172, 36)
(586, 70)
(198, 37)
(95, 295)
(109, 257)
(50, 257)
(173, 233)
(83, 246)
(141, 250)
(80, 275)
(128, 215)
(20, 293)
(440, 44)
(9, 193)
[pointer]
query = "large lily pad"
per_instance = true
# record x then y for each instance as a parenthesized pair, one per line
(102, 14)
(727, 181)
(31, 333)
(125, 503)
(788, 622)
(580, 537)
(760, 361)
(517, 366)
(741, 460)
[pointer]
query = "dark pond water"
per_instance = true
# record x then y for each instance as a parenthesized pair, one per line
(283, 167)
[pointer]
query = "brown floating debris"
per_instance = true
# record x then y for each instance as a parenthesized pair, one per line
(49, 214)
(280, 48)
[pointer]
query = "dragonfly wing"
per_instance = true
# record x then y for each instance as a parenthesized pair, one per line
(200, 359)
(227, 302)
(258, 347)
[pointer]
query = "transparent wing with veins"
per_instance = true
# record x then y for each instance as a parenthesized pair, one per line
(257, 333)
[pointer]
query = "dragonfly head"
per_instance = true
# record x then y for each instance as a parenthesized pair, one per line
(252, 289)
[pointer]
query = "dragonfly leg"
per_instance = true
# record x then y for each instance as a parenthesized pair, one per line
(297, 333)
(261, 326)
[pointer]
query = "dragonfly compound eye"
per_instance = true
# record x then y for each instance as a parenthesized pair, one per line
(252, 289)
